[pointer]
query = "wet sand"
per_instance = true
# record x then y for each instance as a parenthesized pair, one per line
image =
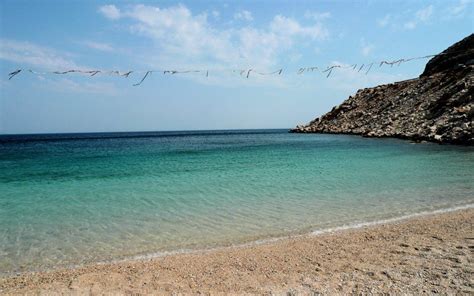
(423, 255)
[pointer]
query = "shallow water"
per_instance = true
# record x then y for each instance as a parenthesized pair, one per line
(73, 199)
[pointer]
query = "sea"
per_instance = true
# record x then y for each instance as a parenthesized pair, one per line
(73, 199)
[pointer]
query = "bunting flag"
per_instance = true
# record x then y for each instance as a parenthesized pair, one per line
(329, 70)
(271, 73)
(370, 67)
(243, 72)
(143, 79)
(13, 74)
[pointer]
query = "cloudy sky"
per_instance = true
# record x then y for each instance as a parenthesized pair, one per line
(217, 38)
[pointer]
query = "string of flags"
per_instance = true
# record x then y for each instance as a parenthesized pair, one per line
(242, 72)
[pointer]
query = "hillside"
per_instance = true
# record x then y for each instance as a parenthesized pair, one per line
(437, 106)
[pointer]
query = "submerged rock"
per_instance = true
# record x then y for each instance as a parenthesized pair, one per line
(438, 106)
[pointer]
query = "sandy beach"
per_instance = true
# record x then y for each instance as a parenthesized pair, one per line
(422, 255)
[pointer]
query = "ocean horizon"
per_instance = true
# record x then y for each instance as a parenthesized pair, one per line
(61, 135)
(71, 199)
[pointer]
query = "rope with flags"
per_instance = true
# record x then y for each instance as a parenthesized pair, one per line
(243, 72)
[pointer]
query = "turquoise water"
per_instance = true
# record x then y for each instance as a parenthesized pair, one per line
(73, 199)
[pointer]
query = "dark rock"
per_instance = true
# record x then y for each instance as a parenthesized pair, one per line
(455, 57)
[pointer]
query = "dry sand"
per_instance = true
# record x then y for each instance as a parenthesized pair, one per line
(424, 255)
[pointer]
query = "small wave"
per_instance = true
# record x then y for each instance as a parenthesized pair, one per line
(311, 233)
(391, 220)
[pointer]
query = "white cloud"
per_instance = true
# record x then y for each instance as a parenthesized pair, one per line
(317, 16)
(244, 15)
(68, 85)
(110, 11)
(408, 20)
(216, 14)
(424, 14)
(410, 25)
(184, 39)
(25, 53)
(421, 16)
(99, 46)
(41, 58)
(366, 48)
(290, 27)
(383, 22)
(459, 9)
(177, 32)
(295, 57)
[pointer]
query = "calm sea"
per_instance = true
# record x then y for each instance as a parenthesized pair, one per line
(77, 198)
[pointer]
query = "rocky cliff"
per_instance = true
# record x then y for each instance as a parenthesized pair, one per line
(437, 106)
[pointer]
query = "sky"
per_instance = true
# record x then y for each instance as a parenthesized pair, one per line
(219, 38)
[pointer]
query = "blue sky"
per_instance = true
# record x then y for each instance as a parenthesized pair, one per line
(214, 36)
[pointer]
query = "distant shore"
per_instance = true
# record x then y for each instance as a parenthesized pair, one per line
(426, 254)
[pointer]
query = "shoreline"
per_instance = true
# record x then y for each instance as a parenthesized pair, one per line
(251, 243)
(296, 235)
(203, 260)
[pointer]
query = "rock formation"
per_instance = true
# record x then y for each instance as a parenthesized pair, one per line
(438, 106)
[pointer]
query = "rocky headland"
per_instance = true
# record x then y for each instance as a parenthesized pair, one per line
(438, 106)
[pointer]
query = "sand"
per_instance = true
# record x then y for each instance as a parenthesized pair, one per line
(423, 255)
